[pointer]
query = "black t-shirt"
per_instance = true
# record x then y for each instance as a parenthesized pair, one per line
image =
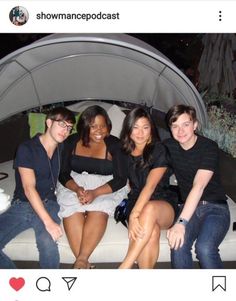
(138, 176)
(117, 166)
(185, 163)
(31, 154)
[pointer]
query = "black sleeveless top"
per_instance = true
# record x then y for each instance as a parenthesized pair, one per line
(116, 167)
(91, 165)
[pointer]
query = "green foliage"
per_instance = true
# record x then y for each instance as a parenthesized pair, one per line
(221, 128)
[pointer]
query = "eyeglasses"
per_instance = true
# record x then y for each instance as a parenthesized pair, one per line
(63, 125)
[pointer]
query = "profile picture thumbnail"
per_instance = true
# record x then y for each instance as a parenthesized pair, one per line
(19, 15)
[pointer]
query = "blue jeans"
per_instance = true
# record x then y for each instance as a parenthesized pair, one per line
(208, 227)
(21, 216)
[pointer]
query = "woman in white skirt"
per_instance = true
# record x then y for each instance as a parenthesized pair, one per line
(92, 182)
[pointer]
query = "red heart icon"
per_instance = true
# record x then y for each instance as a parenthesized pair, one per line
(17, 283)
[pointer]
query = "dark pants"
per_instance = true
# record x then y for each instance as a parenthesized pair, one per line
(20, 217)
(208, 227)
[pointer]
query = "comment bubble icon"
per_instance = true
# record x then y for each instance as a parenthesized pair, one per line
(43, 284)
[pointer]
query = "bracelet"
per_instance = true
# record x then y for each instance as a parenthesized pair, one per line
(182, 221)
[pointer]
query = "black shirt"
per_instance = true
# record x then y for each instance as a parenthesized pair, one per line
(185, 163)
(116, 166)
(31, 154)
(138, 176)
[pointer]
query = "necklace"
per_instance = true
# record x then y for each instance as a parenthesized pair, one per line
(51, 173)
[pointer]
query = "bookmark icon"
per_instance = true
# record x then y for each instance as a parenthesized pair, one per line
(218, 282)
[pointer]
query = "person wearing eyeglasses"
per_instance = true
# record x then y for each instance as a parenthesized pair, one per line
(34, 205)
(204, 215)
(93, 182)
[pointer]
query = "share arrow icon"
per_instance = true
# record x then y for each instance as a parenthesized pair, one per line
(69, 281)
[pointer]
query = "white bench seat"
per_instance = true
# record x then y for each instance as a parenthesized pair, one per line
(112, 247)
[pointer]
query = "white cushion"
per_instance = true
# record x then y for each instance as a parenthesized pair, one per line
(113, 245)
(117, 117)
(4, 201)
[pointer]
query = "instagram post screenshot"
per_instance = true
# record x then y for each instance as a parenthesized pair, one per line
(118, 150)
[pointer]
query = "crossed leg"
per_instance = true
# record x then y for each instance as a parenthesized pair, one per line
(155, 216)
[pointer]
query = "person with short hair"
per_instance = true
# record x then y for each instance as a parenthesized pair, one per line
(34, 205)
(204, 216)
(93, 182)
(151, 206)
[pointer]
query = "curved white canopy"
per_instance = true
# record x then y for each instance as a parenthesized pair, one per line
(66, 67)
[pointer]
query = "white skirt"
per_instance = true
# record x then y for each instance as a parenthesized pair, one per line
(69, 202)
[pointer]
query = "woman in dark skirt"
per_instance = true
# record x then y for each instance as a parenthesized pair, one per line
(149, 203)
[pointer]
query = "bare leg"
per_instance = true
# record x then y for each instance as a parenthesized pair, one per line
(73, 226)
(93, 231)
(149, 255)
(155, 215)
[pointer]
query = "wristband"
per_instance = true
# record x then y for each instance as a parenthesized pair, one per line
(182, 221)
